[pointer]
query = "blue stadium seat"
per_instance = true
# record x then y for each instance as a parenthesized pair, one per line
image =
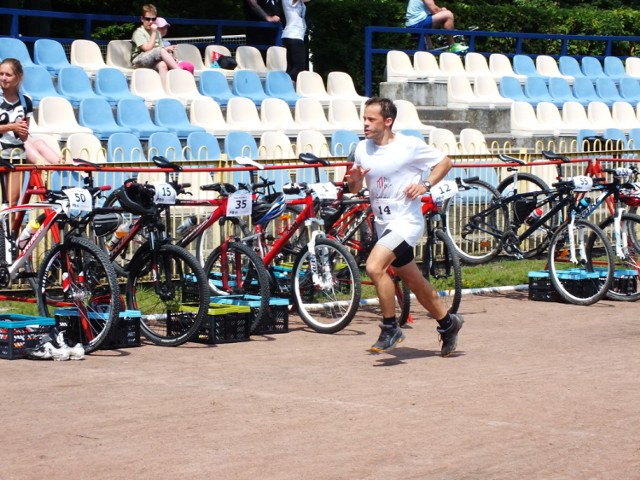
(50, 54)
(74, 84)
(617, 137)
(170, 113)
(202, 146)
(614, 68)
(630, 89)
(37, 83)
(15, 48)
(343, 142)
(112, 84)
(634, 139)
(246, 83)
(584, 90)
(214, 84)
(583, 134)
(510, 87)
(96, 113)
(121, 148)
(412, 132)
(524, 65)
(570, 66)
(561, 91)
(278, 84)
(606, 89)
(165, 144)
(592, 68)
(240, 144)
(536, 89)
(134, 114)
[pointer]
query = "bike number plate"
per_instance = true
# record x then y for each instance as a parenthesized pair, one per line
(325, 191)
(443, 190)
(165, 194)
(80, 201)
(582, 183)
(385, 209)
(239, 204)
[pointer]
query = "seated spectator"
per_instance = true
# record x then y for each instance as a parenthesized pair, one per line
(426, 14)
(163, 28)
(148, 51)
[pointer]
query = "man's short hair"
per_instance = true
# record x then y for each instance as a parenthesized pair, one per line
(387, 107)
(149, 8)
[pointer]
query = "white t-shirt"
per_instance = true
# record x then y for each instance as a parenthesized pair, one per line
(393, 167)
(294, 14)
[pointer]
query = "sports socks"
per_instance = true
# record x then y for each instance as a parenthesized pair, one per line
(446, 322)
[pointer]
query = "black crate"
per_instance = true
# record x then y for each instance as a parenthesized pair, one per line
(541, 289)
(223, 324)
(18, 332)
(124, 334)
(277, 318)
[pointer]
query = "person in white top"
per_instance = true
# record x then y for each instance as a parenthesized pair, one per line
(293, 36)
(393, 165)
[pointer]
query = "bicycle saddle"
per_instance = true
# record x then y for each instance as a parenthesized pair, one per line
(162, 162)
(310, 159)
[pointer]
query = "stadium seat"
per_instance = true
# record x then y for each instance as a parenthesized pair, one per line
(444, 140)
(343, 114)
(630, 89)
(451, 65)
(278, 84)
(240, 143)
(399, 68)
(584, 91)
(575, 115)
(569, 66)
(592, 68)
(634, 139)
(549, 115)
(343, 142)
(222, 50)
(461, 95)
(170, 113)
(561, 91)
(472, 141)
(146, 83)
(426, 66)
(607, 91)
(276, 58)
(275, 145)
(599, 115)
(412, 132)
(524, 65)
(275, 114)
(190, 53)
(536, 89)
(614, 68)
(242, 114)
(181, 84)
(624, 116)
(111, 83)
(524, 121)
(74, 85)
(166, 144)
(37, 84)
(310, 85)
(87, 55)
(476, 65)
(500, 67)
(119, 56)
(340, 85)
(247, 84)
(250, 58)
(121, 148)
(486, 90)
(312, 141)
(134, 114)
(202, 146)
(50, 54)
(206, 113)
(309, 113)
(614, 139)
(547, 66)
(15, 48)
(213, 83)
(510, 87)
(632, 66)
(87, 147)
(582, 139)
(55, 115)
(408, 118)
(96, 113)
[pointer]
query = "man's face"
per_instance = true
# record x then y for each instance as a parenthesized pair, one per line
(375, 124)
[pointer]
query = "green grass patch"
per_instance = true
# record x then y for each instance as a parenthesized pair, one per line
(500, 272)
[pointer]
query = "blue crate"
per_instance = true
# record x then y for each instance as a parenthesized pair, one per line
(18, 332)
(124, 334)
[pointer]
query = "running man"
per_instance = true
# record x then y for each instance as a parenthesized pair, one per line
(393, 165)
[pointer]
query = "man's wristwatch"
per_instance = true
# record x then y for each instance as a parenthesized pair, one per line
(427, 185)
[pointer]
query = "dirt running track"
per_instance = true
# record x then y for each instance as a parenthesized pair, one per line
(537, 391)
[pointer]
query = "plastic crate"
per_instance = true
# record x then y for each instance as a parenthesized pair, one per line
(223, 324)
(276, 320)
(541, 289)
(577, 282)
(18, 332)
(124, 334)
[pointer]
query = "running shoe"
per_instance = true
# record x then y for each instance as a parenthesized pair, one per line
(46, 351)
(390, 337)
(75, 353)
(449, 337)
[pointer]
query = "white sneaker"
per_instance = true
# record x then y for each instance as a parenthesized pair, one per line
(75, 353)
(47, 351)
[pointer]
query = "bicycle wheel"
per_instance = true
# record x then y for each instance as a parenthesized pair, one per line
(625, 283)
(328, 302)
(442, 268)
(403, 300)
(235, 269)
(586, 281)
(538, 241)
(210, 238)
(78, 274)
(476, 229)
(171, 295)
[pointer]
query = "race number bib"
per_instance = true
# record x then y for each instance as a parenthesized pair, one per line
(325, 191)
(582, 183)
(165, 194)
(239, 204)
(385, 209)
(79, 201)
(443, 190)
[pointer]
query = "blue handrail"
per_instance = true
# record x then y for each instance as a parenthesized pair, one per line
(472, 35)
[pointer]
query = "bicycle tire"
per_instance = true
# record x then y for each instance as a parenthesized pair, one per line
(538, 241)
(210, 238)
(589, 283)
(624, 288)
(403, 301)
(342, 294)
(442, 269)
(98, 293)
(222, 274)
(172, 316)
(464, 211)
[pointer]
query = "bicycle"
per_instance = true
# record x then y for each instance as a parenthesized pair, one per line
(75, 272)
(568, 247)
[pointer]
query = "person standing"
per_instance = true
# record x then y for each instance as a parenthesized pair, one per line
(16, 110)
(262, 11)
(293, 36)
(426, 14)
(148, 51)
(393, 166)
